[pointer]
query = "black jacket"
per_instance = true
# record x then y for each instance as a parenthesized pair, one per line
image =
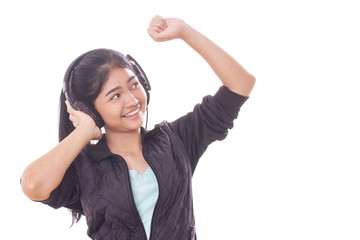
(98, 185)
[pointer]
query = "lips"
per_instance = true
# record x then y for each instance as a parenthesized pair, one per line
(132, 113)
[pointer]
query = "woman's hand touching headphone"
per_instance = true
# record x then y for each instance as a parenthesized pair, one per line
(165, 29)
(83, 122)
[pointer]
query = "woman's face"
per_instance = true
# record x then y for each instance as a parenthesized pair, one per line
(122, 101)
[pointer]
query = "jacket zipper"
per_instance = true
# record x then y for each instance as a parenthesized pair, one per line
(133, 200)
(157, 201)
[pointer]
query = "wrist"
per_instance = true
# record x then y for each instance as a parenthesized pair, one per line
(190, 35)
(187, 32)
(84, 133)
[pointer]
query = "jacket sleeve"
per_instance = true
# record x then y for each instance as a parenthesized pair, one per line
(67, 194)
(208, 122)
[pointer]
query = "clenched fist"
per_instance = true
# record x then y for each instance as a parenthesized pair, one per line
(165, 29)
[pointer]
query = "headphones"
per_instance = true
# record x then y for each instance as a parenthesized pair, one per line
(89, 109)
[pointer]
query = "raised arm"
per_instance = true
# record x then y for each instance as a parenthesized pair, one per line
(229, 71)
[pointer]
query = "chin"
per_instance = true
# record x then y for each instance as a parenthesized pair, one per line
(133, 125)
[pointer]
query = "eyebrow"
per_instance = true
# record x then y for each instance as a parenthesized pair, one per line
(119, 87)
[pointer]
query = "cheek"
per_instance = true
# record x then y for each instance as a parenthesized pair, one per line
(108, 111)
(141, 95)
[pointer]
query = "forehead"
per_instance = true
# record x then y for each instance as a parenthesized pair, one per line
(119, 76)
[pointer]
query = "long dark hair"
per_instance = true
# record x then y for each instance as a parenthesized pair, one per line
(88, 74)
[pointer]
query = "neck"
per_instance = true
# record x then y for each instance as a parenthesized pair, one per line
(124, 142)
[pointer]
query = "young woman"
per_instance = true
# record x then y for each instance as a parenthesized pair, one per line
(133, 183)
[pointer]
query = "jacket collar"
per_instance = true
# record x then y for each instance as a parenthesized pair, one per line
(101, 151)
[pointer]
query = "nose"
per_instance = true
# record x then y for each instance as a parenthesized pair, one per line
(130, 100)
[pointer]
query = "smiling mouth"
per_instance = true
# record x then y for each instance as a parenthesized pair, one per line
(132, 113)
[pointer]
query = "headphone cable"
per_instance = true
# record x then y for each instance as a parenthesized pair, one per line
(147, 116)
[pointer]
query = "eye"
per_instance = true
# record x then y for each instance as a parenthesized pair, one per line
(135, 85)
(115, 96)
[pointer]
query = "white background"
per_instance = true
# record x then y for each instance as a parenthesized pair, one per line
(290, 167)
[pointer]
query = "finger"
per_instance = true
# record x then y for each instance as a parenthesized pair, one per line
(68, 106)
(157, 18)
(155, 29)
(98, 134)
(154, 35)
(158, 21)
(161, 26)
(165, 25)
(71, 117)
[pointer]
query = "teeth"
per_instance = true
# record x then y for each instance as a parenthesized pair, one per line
(132, 113)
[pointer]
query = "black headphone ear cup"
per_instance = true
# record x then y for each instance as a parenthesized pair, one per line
(139, 72)
(91, 111)
(148, 97)
(145, 85)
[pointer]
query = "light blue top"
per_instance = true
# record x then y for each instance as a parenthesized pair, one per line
(146, 191)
